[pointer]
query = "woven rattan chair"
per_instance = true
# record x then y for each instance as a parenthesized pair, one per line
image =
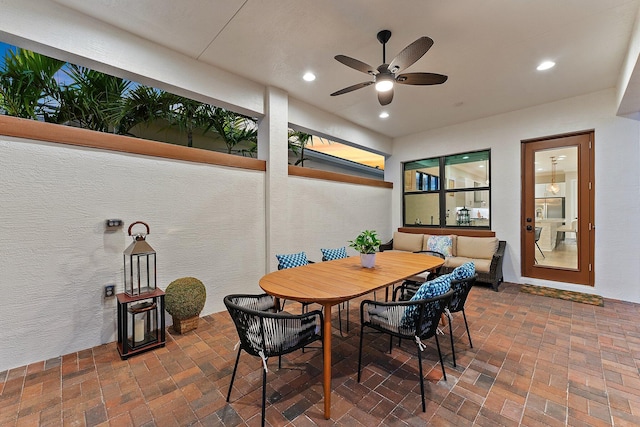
(461, 290)
(414, 320)
(264, 333)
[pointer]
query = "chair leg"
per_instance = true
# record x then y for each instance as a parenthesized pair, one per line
(444, 374)
(233, 376)
(264, 393)
(360, 351)
(540, 250)
(424, 407)
(347, 306)
(453, 349)
(467, 326)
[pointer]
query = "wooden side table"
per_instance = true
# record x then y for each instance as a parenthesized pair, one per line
(141, 322)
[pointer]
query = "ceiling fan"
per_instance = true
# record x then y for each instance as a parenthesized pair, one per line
(386, 75)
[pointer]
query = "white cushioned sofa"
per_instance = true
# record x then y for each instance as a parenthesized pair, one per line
(487, 253)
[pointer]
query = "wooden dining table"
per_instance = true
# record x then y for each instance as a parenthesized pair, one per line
(332, 282)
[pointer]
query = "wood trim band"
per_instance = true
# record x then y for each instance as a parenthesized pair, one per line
(49, 132)
(338, 177)
(60, 134)
(447, 231)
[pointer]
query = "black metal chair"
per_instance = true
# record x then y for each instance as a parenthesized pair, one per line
(264, 333)
(461, 290)
(344, 304)
(409, 287)
(286, 261)
(414, 320)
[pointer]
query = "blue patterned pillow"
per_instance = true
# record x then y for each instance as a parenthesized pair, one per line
(466, 270)
(442, 244)
(291, 260)
(331, 254)
(433, 288)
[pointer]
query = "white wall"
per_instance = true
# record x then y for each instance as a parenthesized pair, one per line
(617, 185)
(206, 221)
(325, 214)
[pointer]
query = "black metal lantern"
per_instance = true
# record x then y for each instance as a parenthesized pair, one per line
(139, 264)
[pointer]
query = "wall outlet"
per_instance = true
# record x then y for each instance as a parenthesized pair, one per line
(113, 224)
(109, 291)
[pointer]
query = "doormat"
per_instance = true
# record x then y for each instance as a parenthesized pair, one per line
(560, 294)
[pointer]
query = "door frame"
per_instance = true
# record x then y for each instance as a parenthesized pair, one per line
(584, 274)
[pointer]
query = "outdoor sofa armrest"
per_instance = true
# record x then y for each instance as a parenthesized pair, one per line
(495, 270)
(386, 246)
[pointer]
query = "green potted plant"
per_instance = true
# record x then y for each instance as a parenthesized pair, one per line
(367, 243)
(184, 300)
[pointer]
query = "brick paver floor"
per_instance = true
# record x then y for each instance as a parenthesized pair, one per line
(535, 361)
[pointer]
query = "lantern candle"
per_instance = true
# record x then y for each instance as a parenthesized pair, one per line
(138, 333)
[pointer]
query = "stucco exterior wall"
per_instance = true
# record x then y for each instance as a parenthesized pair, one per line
(206, 221)
(325, 214)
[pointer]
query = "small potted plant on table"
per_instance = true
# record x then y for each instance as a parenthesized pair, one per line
(367, 243)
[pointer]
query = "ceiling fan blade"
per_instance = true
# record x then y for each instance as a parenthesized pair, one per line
(385, 98)
(356, 65)
(421, 79)
(351, 88)
(410, 54)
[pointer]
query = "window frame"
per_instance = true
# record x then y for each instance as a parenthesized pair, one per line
(443, 191)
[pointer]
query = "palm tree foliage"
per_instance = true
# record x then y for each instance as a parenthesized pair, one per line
(28, 88)
(92, 100)
(142, 105)
(233, 129)
(297, 141)
(100, 102)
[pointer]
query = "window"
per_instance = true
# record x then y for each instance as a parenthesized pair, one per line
(448, 191)
(316, 152)
(37, 87)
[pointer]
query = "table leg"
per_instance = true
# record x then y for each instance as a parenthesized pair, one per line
(327, 361)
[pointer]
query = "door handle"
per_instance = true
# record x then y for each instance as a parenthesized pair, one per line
(529, 228)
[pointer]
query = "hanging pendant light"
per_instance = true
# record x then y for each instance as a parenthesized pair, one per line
(553, 187)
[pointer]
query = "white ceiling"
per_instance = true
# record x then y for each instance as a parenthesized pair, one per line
(489, 49)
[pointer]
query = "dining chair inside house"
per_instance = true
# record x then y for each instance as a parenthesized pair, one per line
(264, 333)
(329, 255)
(415, 320)
(538, 232)
(564, 229)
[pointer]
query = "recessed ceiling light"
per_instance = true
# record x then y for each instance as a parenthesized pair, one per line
(384, 115)
(545, 65)
(309, 76)
(465, 157)
(480, 166)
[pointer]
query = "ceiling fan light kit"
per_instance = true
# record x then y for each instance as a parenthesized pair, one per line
(384, 82)
(386, 75)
